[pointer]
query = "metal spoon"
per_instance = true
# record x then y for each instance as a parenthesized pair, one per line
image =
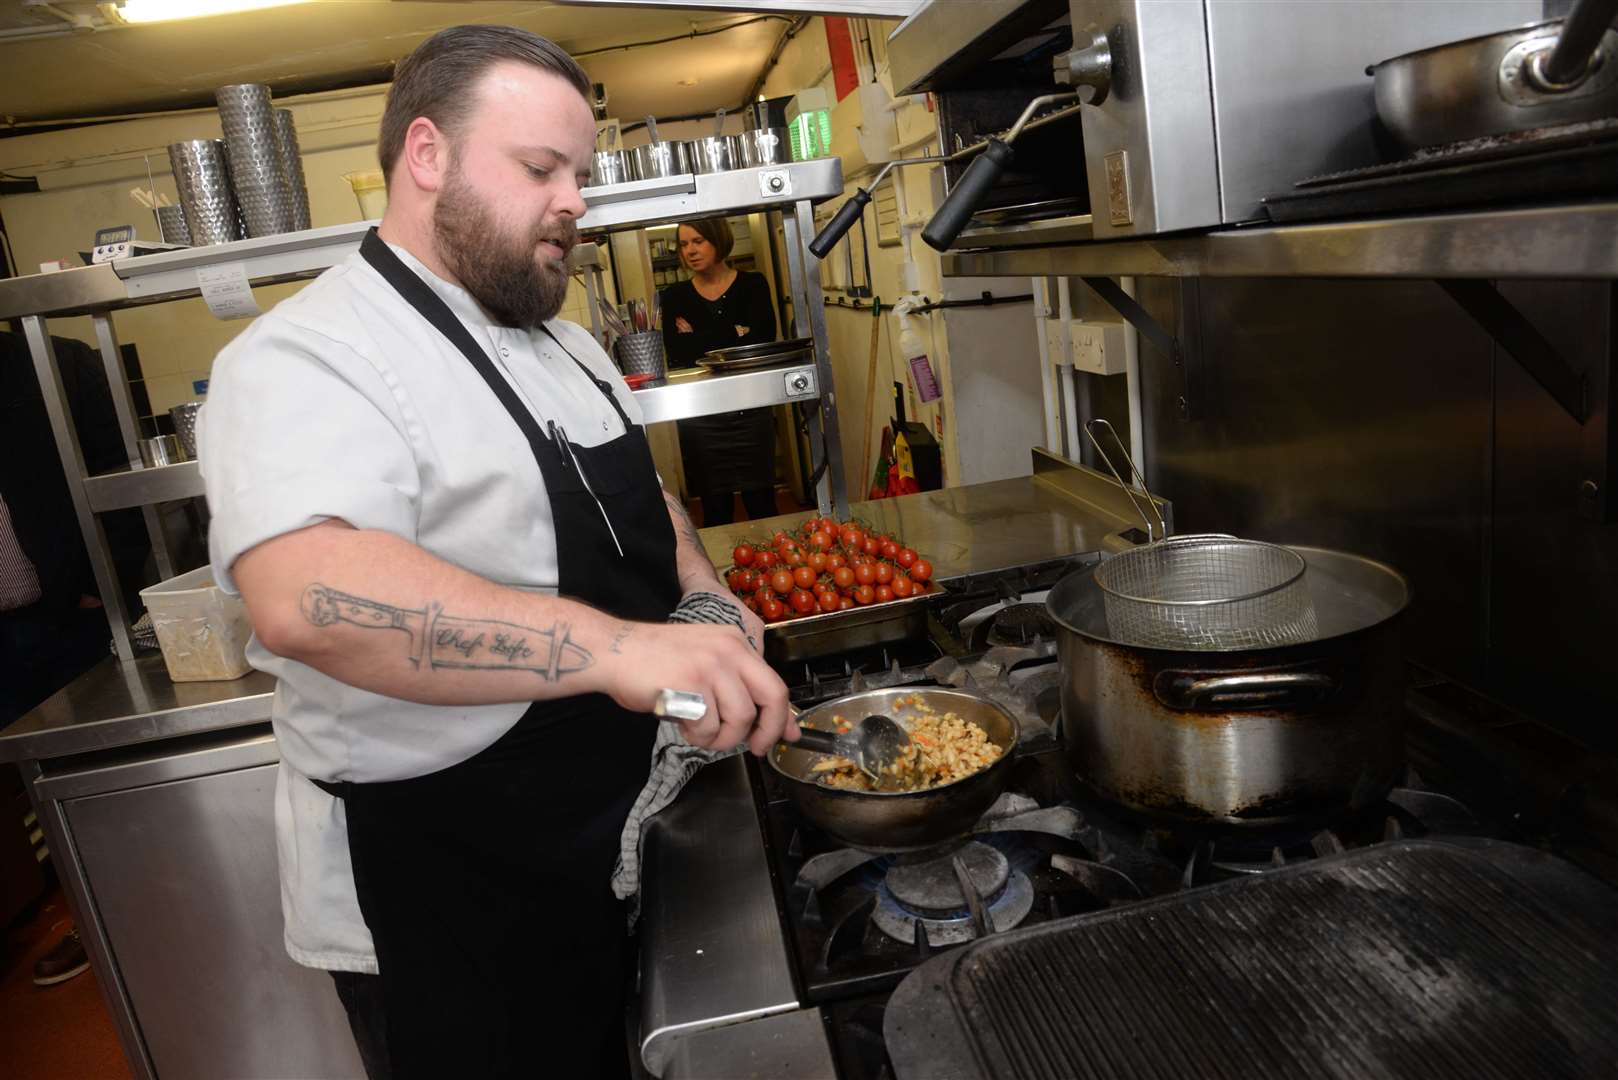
(875, 745)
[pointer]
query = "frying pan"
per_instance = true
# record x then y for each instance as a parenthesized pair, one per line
(885, 822)
(1556, 72)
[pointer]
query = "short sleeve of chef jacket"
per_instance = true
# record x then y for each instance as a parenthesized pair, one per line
(300, 428)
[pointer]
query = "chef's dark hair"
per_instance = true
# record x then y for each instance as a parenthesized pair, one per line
(715, 230)
(436, 80)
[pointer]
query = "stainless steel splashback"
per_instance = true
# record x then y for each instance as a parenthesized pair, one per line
(1377, 418)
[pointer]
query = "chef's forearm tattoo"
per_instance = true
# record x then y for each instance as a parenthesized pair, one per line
(621, 636)
(439, 641)
(682, 521)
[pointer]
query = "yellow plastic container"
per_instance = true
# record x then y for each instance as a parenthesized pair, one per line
(371, 189)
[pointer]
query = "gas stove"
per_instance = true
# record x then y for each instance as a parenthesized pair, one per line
(815, 935)
(855, 923)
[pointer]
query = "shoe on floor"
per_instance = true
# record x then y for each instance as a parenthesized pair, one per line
(63, 962)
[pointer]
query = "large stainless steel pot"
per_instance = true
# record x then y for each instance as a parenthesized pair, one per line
(1555, 72)
(908, 820)
(1252, 737)
(762, 146)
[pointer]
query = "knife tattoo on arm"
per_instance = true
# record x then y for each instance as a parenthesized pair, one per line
(447, 641)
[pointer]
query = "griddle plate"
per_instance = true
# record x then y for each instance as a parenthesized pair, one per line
(1414, 959)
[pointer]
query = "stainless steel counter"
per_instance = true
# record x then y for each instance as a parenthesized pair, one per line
(712, 953)
(121, 703)
(1061, 510)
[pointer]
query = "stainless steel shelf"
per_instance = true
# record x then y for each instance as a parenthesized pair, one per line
(1568, 241)
(694, 393)
(739, 191)
(172, 275)
(121, 703)
(143, 487)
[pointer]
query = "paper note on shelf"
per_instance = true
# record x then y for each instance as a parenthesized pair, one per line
(227, 291)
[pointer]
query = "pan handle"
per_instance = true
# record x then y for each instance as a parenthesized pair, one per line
(1569, 62)
(1201, 691)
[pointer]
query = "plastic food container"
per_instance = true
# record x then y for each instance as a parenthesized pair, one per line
(371, 189)
(201, 629)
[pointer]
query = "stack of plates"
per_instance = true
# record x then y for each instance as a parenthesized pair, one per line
(253, 147)
(767, 354)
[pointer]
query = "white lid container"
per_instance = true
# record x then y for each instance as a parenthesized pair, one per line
(202, 630)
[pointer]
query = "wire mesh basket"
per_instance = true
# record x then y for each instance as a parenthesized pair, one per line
(1207, 593)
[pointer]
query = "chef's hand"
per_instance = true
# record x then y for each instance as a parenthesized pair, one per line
(746, 699)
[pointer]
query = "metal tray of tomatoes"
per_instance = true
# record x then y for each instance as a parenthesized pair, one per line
(811, 636)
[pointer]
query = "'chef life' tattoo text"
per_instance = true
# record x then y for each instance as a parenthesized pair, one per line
(445, 641)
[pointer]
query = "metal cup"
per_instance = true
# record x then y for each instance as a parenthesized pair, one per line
(611, 167)
(764, 146)
(185, 425)
(641, 353)
(712, 154)
(171, 226)
(162, 450)
(660, 159)
(286, 133)
(203, 179)
(257, 170)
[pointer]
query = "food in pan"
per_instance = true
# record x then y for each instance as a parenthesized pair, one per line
(944, 748)
(825, 565)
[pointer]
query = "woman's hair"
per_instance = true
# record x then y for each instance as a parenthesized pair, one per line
(716, 231)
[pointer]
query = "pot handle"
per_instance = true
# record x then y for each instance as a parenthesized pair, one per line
(1266, 689)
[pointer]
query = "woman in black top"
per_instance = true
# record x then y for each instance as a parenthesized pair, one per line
(718, 308)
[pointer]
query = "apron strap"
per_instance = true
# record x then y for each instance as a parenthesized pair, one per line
(431, 306)
(601, 384)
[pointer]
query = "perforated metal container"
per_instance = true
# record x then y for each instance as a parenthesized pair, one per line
(286, 131)
(1207, 593)
(641, 353)
(257, 170)
(203, 181)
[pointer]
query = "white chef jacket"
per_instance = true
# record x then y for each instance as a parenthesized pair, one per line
(343, 402)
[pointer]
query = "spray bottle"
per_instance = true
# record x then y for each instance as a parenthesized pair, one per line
(913, 347)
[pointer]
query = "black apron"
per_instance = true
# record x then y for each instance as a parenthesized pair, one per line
(487, 886)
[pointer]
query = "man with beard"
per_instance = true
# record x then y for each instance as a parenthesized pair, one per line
(438, 503)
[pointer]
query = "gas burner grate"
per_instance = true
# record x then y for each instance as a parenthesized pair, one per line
(1019, 624)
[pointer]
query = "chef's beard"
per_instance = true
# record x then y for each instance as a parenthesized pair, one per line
(502, 272)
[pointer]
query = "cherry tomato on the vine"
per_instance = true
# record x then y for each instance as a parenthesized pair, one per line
(803, 577)
(883, 594)
(781, 582)
(902, 587)
(865, 573)
(921, 570)
(890, 550)
(772, 609)
(765, 560)
(906, 558)
(743, 555)
(864, 594)
(884, 573)
(843, 576)
(803, 601)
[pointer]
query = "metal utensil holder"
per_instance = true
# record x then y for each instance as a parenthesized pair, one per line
(257, 171)
(641, 353)
(1203, 592)
(203, 180)
(286, 136)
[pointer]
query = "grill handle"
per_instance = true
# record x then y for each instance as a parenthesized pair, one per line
(1201, 692)
(967, 195)
(1570, 60)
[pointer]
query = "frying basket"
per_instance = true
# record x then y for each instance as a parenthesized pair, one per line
(1201, 592)
(1207, 592)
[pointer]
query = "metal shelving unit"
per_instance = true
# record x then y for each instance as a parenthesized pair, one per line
(100, 290)
(1565, 241)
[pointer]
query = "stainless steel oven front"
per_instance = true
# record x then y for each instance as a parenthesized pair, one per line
(1202, 108)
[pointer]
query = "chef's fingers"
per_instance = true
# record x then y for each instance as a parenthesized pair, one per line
(702, 733)
(735, 707)
(773, 720)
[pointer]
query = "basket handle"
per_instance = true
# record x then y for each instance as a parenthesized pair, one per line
(1195, 690)
(1129, 490)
